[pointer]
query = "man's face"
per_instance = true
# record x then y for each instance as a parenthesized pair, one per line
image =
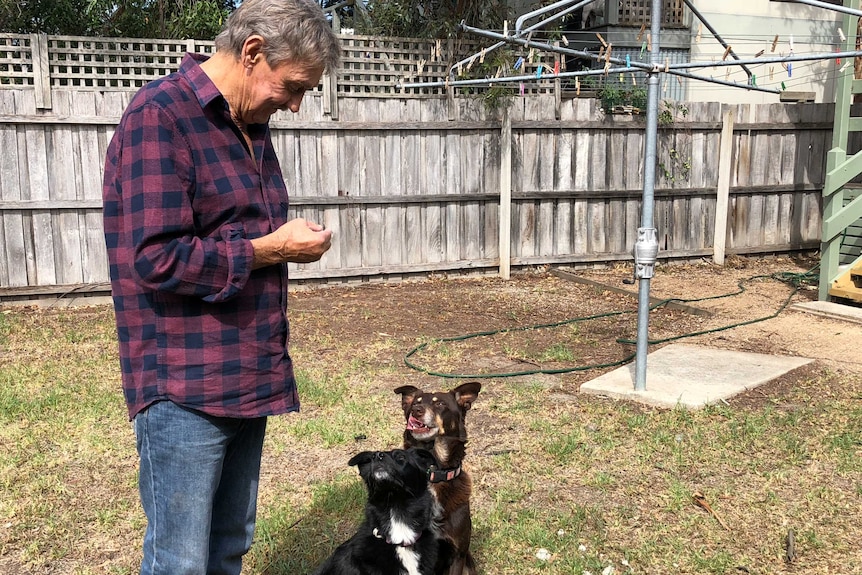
(278, 88)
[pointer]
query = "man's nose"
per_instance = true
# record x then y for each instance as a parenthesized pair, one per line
(294, 103)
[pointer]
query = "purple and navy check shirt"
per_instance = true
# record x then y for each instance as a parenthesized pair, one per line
(182, 200)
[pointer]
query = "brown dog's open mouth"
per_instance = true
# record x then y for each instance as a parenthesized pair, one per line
(416, 426)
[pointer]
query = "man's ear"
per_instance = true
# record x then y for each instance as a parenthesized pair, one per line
(252, 51)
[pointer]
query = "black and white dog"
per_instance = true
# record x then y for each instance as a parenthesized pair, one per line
(400, 533)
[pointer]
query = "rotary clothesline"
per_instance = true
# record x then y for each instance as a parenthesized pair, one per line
(614, 65)
(645, 250)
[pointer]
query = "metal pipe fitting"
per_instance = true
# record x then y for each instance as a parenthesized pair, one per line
(646, 253)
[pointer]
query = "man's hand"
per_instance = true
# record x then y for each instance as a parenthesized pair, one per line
(298, 241)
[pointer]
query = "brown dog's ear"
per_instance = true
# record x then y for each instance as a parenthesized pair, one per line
(466, 393)
(408, 394)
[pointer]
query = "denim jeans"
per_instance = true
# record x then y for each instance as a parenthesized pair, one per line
(198, 483)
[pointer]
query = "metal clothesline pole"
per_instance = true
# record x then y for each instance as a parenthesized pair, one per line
(646, 246)
(715, 34)
(833, 7)
(580, 74)
(519, 23)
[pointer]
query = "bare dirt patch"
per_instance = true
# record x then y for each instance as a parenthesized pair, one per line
(538, 321)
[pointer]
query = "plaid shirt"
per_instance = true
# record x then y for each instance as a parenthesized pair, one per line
(182, 200)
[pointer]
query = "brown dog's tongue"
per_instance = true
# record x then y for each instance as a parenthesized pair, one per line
(414, 424)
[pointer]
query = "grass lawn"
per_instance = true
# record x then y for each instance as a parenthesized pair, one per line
(563, 483)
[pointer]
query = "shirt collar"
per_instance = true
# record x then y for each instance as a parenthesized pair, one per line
(203, 87)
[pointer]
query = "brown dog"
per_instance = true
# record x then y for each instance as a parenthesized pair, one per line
(435, 421)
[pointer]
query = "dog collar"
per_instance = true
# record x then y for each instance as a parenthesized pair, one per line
(440, 475)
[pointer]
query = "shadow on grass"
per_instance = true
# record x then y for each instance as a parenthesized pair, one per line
(295, 541)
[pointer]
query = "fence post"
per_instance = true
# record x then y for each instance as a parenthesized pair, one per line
(725, 163)
(506, 195)
(612, 12)
(41, 70)
(330, 93)
(450, 90)
(558, 87)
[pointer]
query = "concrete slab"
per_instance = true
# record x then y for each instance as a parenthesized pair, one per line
(831, 310)
(693, 376)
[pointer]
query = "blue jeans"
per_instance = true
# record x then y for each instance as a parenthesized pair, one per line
(198, 482)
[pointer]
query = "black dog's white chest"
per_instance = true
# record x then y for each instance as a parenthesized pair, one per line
(410, 560)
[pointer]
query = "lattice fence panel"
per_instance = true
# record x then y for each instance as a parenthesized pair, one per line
(372, 66)
(113, 62)
(16, 60)
(639, 12)
(378, 65)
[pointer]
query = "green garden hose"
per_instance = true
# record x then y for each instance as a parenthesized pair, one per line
(794, 279)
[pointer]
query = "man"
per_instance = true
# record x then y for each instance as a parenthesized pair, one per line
(195, 213)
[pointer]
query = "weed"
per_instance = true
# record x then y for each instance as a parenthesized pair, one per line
(678, 496)
(564, 447)
(717, 562)
(601, 479)
(636, 421)
(559, 352)
(320, 389)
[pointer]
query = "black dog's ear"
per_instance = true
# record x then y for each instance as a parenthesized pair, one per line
(408, 393)
(423, 458)
(466, 393)
(360, 458)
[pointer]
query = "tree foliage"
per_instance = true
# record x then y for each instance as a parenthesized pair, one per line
(202, 19)
(199, 19)
(429, 18)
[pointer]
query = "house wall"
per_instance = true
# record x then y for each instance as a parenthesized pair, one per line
(750, 26)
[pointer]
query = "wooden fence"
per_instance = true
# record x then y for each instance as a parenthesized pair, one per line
(407, 190)
(412, 184)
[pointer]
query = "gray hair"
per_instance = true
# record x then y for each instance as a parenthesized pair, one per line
(293, 30)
